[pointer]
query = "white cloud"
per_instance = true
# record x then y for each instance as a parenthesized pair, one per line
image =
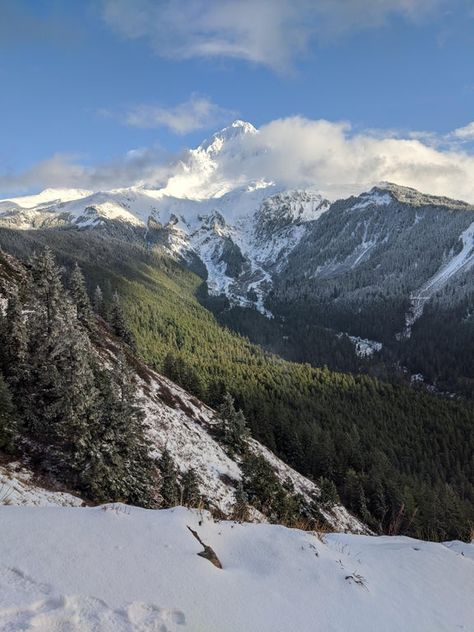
(465, 133)
(295, 152)
(67, 170)
(331, 157)
(268, 32)
(199, 112)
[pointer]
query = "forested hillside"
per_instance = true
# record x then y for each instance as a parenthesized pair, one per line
(401, 459)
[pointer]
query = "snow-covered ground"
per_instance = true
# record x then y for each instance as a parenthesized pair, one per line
(182, 424)
(364, 347)
(19, 487)
(123, 569)
(463, 261)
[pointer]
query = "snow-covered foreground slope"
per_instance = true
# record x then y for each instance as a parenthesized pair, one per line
(120, 569)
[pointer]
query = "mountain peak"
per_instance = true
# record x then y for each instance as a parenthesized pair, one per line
(413, 197)
(236, 129)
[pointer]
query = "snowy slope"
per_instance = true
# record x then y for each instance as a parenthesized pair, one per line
(181, 423)
(122, 569)
(245, 230)
(18, 486)
(460, 262)
(197, 191)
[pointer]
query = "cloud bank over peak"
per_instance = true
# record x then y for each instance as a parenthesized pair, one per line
(292, 152)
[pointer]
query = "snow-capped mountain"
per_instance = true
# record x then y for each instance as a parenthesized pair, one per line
(254, 236)
(241, 229)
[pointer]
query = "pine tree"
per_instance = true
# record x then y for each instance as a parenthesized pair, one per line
(119, 463)
(15, 345)
(8, 426)
(118, 322)
(191, 494)
(169, 484)
(99, 303)
(233, 426)
(329, 496)
(240, 509)
(81, 298)
(61, 397)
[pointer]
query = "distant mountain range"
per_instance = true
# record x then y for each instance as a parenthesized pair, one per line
(368, 266)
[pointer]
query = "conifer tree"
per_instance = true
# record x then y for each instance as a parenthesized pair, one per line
(119, 465)
(241, 503)
(233, 426)
(61, 397)
(99, 303)
(81, 298)
(329, 496)
(118, 323)
(15, 344)
(191, 494)
(169, 485)
(7, 417)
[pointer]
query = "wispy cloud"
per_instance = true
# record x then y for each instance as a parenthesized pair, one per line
(268, 32)
(69, 171)
(465, 133)
(198, 112)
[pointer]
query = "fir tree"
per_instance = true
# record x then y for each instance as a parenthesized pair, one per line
(81, 298)
(169, 481)
(7, 418)
(15, 345)
(233, 426)
(240, 509)
(99, 303)
(329, 496)
(191, 494)
(119, 463)
(118, 322)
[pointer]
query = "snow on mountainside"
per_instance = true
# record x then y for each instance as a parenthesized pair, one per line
(182, 424)
(201, 211)
(174, 420)
(18, 486)
(123, 569)
(245, 231)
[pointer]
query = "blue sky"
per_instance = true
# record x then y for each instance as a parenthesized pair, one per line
(92, 80)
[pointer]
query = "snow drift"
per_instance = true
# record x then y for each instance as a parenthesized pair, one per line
(120, 569)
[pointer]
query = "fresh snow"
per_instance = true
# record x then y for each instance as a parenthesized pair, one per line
(18, 487)
(372, 198)
(364, 347)
(179, 422)
(461, 262)
(123, 569)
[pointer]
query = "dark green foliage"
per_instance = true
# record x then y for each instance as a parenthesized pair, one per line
(179, 371)
(118, 322)
(329, 496)
(14, 343)
(80, 298)
(99, 303)
(265, 492)
(232, 427)
(169, 480)
(7, 417)
(118, 462)
(407, 447)
(240, 509)
(190, 494)
(77, 421)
